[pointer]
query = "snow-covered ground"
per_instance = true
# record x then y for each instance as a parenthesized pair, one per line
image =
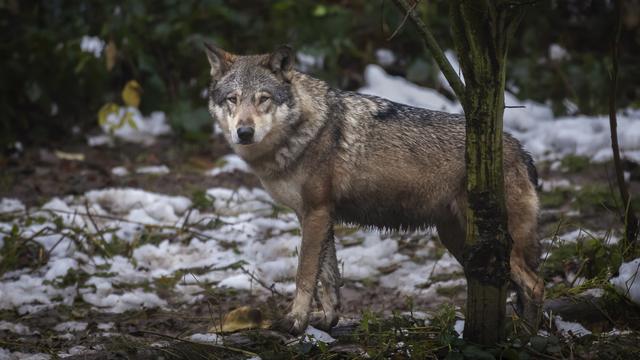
(251, 231)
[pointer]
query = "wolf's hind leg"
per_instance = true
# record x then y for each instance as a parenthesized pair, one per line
(523, 208)
(530, 289)
(330, 290)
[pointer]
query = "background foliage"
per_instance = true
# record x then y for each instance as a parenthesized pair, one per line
(50, 86)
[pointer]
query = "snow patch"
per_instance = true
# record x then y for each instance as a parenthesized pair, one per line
(157, 170)
(142, 129)
(71, 326)
(120, 171)
(92, 44)
(628, 280)
(8, 205)
(567, 328)
(230, 163)
(205, 338)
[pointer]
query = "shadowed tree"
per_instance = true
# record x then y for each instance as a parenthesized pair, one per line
(481, 32)
(628, 216)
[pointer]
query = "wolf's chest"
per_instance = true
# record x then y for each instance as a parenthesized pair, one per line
(286, 191)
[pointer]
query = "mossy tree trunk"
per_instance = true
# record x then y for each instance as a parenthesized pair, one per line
(481, 31)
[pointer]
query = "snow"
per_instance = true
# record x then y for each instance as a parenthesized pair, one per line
(156, 207)
(398, 89)
(205, 338)
(628, 280)
(558, 53)
(8, 205)
(92, 44)
(229, 163)
(544, 136)
(385, 57)
(459, 327)
(19, 329)
(157, 170)
(568, 328)
(144, 129)
(120, 171)
(17, 355)
(314, 335)
(307, 62)
(71, 326)
(137, 299)
(249, 232)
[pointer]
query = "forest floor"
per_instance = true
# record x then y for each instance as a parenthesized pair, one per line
(82, 275)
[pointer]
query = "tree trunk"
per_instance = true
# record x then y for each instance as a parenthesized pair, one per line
(628, 217)
(481, 30)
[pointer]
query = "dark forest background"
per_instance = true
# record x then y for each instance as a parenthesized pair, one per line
(50, 86)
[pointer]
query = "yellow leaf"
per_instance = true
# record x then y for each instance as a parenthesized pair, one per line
(131, 93)
(242, 318)
(105, 110)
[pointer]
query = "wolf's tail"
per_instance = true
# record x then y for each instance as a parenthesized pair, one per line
(531, 166)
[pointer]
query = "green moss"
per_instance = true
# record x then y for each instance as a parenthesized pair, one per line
(555, 198)
(575, 163)
(450, 291)
(201, 200)
(595, 197)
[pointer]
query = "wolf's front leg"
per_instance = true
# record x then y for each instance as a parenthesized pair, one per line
(316, 226)
(331, 282)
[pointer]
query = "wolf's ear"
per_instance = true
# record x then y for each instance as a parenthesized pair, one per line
(219, 60)
(281, 62)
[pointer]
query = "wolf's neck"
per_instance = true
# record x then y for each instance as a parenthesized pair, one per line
(309, 118)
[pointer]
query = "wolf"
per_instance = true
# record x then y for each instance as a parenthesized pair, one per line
(341, 157)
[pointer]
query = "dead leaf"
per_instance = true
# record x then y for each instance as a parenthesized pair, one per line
(111, 53)
(242, 318)
(69, 156)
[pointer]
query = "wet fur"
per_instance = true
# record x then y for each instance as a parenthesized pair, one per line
(338, 156)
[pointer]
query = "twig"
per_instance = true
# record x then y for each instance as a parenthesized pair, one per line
(98, 231)
(271, 288)
(222, 347)
(115, 218)
(404, 20)
(436, 51)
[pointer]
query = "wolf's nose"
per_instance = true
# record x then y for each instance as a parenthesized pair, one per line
(245, 133)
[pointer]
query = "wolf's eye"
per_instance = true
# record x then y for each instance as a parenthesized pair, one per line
(263, 99)
(232, 99)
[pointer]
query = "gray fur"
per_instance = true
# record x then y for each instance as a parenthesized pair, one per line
(339, 156)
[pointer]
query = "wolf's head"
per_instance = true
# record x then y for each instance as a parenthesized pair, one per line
(251, 96)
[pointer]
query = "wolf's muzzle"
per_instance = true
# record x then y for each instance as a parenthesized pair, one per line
(245, 134)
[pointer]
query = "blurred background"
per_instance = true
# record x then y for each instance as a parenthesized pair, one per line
(63, 60)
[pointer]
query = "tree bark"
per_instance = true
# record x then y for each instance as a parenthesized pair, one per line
(481, 31)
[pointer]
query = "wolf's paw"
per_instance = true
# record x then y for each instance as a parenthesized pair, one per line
(293, 323)
(323, 320)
